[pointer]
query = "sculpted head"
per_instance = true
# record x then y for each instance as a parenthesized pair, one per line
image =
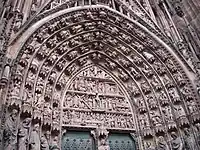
(27, 121)
(36, 127)
(173, 135)
(103, 141)
(14, 113)
(186, 131)
(161, 139)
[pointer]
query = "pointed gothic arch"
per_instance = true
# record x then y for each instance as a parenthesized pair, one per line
(153, 77)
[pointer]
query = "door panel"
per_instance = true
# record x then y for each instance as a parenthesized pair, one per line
(77, 141)
(121, 142)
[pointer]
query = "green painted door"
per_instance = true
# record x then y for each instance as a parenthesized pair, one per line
(75, 140)
(121, 142)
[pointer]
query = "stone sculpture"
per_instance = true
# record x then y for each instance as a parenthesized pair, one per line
(101, 135)
(162, 145)
(54, 145)
(198, 133)
(44, 143)
(148, 146)
(9, 133)
(176, 142)
(189, 140)
(35, 138)
(23, 134)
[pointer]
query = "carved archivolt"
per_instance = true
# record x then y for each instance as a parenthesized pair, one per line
(90, 68)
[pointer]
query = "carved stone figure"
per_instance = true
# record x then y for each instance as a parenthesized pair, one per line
(162, 145)
(155, 118)
(144, 121)
(23, 134)
(141, 105)
(176, 142)
(167, 81)
(149, 56)
(2, 41)
(155, 82)
(34, 7)
(47, 112)
(151, 101)
(163, 98)
(101, 135)
(9, 133)
(159, 67)
(18, 23)
(44, 143)
(167, 111)
(192, 106)
(35, 138)
(179, 111)
(148, 146)
(97, 101)
(145, 87)
(15, 89)
(171, 65)
(198, 133)
(189, 140)
(174, 95)
(147, 70)
(55, 144)
(103, 145)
